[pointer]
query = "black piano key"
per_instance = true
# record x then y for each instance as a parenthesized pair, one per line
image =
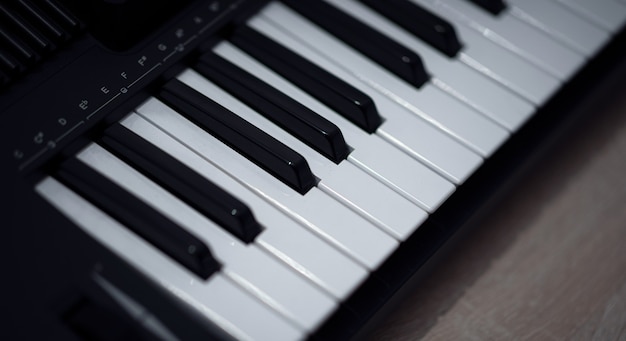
(342, 97)
(314, 130)
(44, 22)
(198, 192)
(393, 56)
(262, 149)
(19, 48)
(36, 40)
(60, 14)
(9, 64)
(429, 27)
(4, 79)
(95, 312)
(138, 216)
(491, 6)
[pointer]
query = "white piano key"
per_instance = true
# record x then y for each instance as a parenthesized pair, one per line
(379, 204)
(335, 223)
(502, 65)
(485, 95)
(410, 178)
(561, 23)
(460, 121)
(387, 163)
(507, 68)
(405, 130)
(607, 14)
(263, 276)
(411, 135)
(286, 239)
(513, 34)
(382, 206)
(216, 299)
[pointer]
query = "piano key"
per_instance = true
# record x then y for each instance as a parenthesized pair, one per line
(435, 106)
(9, 64)
(373, 200)
(409, 132)
(255, 145)
(399, 127)
(495, 62)
(448, 158)
(515, 35)
(560, 23)
(286, 239)
(309, 127)
(203, 195)
(165, 234)
(508, 68)
(379, 204)
(384, 162)
(4, 79)
(108, 311)
(216, 299)
(246, 264)
(607, 14)
(399, 60)
(27, 31)
(340, 226)
(61, 15)
(353, 104)
(429, 27)
(49, 26)
(20, 49)
(491, 6)
(458, 79)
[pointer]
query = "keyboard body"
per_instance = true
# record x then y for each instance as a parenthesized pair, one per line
(56, 275)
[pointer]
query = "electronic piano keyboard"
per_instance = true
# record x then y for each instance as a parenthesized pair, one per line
(264, 170)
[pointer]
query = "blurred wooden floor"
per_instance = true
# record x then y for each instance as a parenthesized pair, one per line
(549, 263)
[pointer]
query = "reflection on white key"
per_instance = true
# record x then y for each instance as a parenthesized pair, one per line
(561, 23)
(514, 34)
(447, 113)
(407, 131)
(271, 281)
(335, 223)
(608, 14)
(480, 92)
(216, 299)
(283, 237)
